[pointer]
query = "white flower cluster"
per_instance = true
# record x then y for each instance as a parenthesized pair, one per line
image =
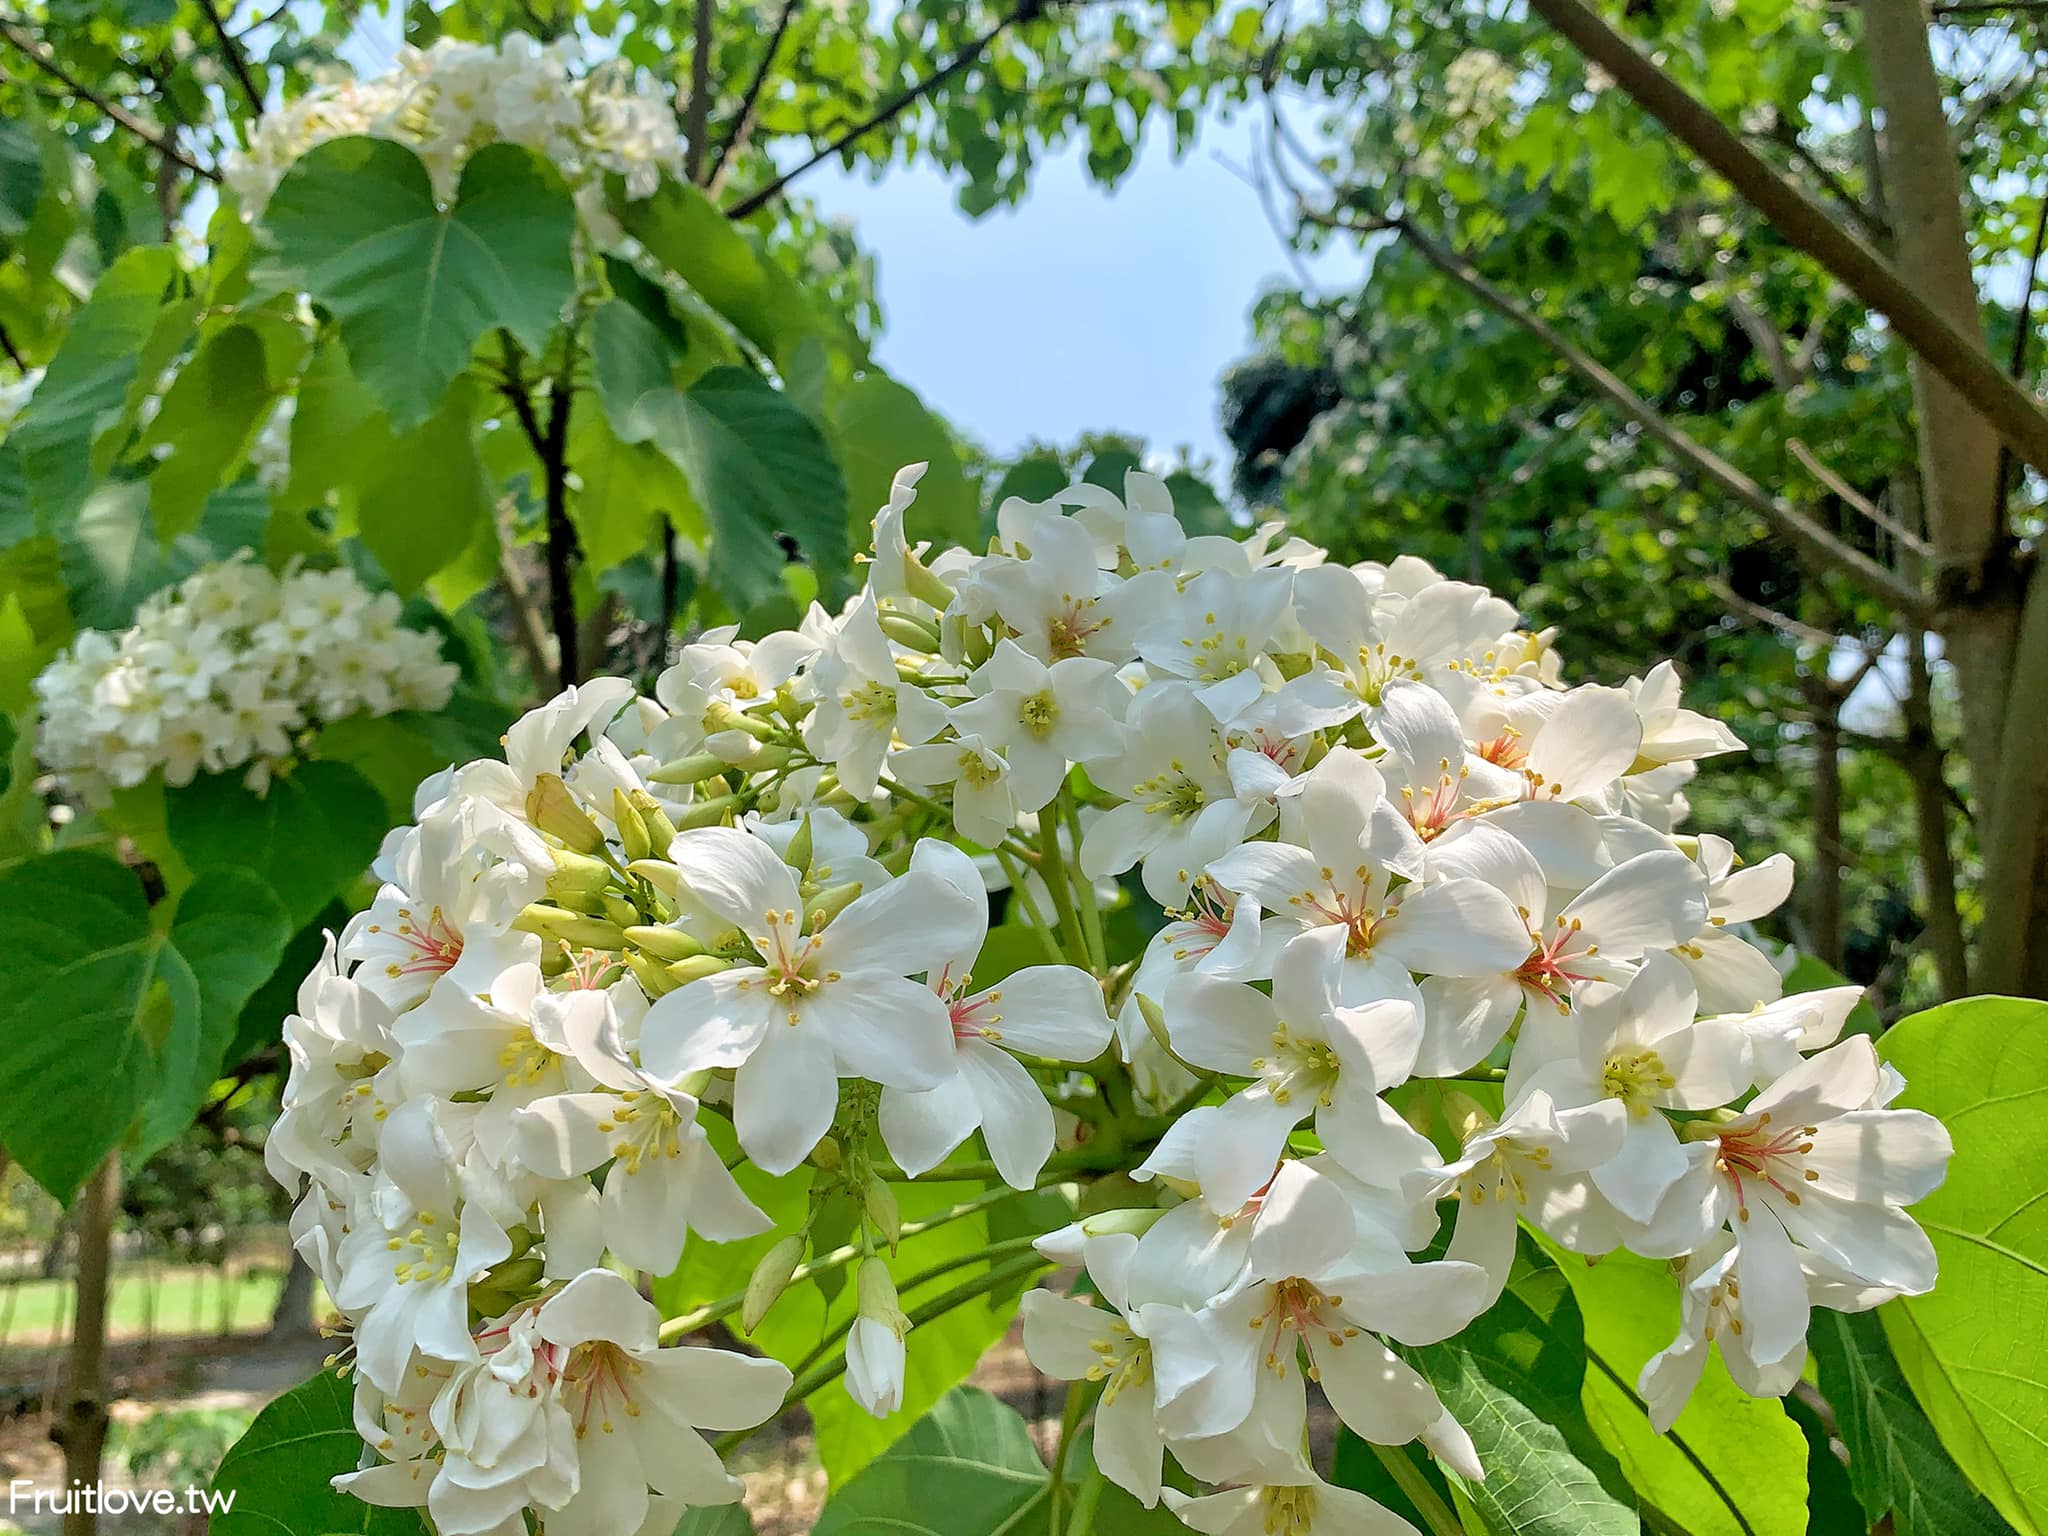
(447, 101)
(229, 669)
(1393, 845)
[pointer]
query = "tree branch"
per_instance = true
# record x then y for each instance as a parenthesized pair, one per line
(1024, 10)
(1856, 500)
(697, 111)
(1962, 361)
(750, 103)
(236, 62)
(561, 533)
(118, 114)
(1815, 542)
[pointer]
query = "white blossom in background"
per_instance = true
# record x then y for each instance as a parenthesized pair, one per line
(229, 670)
(447, 101)
(670, 950)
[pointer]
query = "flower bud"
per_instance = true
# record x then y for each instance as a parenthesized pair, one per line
(551, 807)
(721, 716)
(882, 1210)
(577, 882)
(654, 978)
(825, 1154)
(660, 830)
(876, 1291)
(790, 707)
(574, 927)
(632, 830)
(708, 813)
(663, 943)
(828, 904)
(697, 967)
(1155, 1021)
(694, 769)
(911, 633)
(801, 849)
(770, 1278)
(620, 910)
(660, 874)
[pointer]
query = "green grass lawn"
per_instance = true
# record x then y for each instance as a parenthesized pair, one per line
(165, 1299)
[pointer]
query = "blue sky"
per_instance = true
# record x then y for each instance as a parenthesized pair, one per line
(1080, 310)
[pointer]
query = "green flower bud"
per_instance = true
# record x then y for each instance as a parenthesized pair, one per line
(1466, 1116)
(660, 830)
(697, 967)
(882, 1210)
(664, 943)
(828, 904)
(632, 830)
(769, 1280)
(694, 769)
(722, 716)
(825, 1154)
(708, 813)
(553, 808)
(876, 1291)
(571, 927)
(912, 633)
(577, 882)
(653, 977)
(621, 911)
(799, 854)
(660, 874)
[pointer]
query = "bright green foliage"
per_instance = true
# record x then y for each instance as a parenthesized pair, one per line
(967, 1467)
(881, 425)
(759, 467)
(309, 838)
(1896, 1465)
(1513, 1379)
(95, 994)
(279, 1471)
(209, 414)
(1975, 1349)
(1732, 1465)
(412, 286)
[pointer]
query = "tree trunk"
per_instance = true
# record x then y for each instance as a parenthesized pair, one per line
(80, 1426)
(292, 1318)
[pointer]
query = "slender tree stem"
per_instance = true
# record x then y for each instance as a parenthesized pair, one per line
(237, 64)
(1084, 889)
(1070, 1423)
(750, 103)
(80, 1428)
(1955, 355)
(1025, 10)
(561, 533)
(697, 110)
(1427, 1501)
(34, 53)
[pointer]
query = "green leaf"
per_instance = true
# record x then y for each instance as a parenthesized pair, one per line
(336, 428)
(716, 1520)
(623, 490)
(209, 414)
(1514, 1379)
(308, 839)
(1733, 1465)
(279, 1471)
(88, 382)
(230, 931)
(630, 357)
(89, 996)
(394, 752)
(413, 287)
(21, 177)
(423, 493)
(686, 232)
(1896, 1464)
(759, 468)
(879, 425)
(1975, 1348)
(967, 1468)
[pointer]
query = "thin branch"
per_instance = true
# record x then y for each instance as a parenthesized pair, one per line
(1024, 10)
(1857, 501)
(236, 62)
(697, 110)
(1770, 618)
(1819, 545)
(13, 353)
(116, 113)
(561, 533)
(750, 104)
(1962, 361)
(1991, 8)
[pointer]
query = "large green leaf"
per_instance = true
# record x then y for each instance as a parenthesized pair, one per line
(230, 932)
(209, 414)
(21, 177)
(279, 1471)
(413, 286)
(1896, 1464)
(423, 493)
(1514, 1379)
(394, 752)
(1975, 1348)
(685, 231)
(88, 994)
(1732, 1465)
(759, 468)
(623, 492)
(88, 382)
(308, 838)
(879, 425)
(967, 1468)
